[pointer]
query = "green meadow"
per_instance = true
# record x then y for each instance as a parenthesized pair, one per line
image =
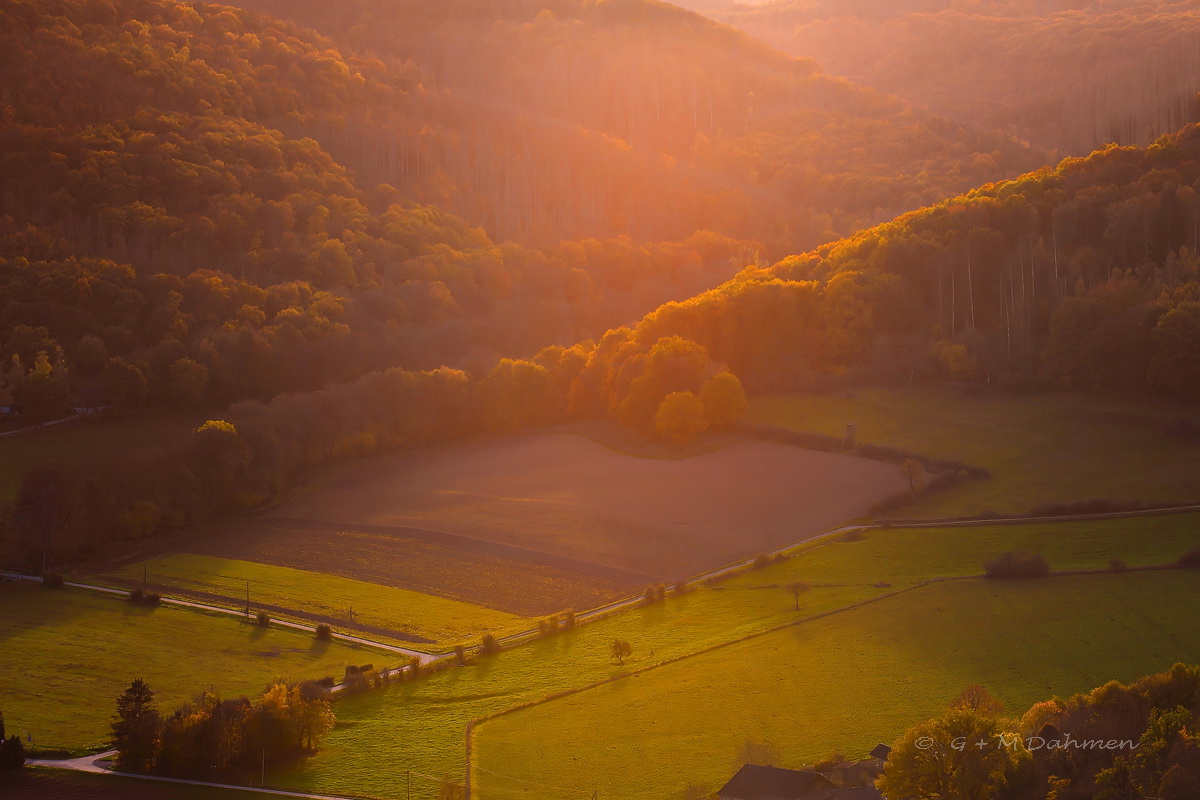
(419, 726)
(1062, 448)
(842, 683)
(437, 619)
(67, 654)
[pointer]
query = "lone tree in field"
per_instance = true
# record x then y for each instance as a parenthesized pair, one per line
(978, 699)
(680, 418)
(135, 727)
(760, 754)
(798, 588)
(914, 473)
(621, 650)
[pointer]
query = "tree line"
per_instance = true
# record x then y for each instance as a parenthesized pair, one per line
(210, 737)
(63, 511)
(1116, 742)
(1086, 275)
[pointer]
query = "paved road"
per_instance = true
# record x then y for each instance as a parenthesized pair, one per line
(93, 765)
(425, 658)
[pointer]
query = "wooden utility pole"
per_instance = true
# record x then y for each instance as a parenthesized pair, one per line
(970, 281)
(247, 600)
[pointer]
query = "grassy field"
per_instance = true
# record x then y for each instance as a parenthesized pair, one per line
(842, 683)
(567, 495)
(905, 556)
(473, 573)
(525, 525)
(433, 619)
(86, 440)
(67, 654)
(1048, 448)
(419, 726)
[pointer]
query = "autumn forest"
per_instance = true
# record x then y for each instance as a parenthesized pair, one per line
(299, 235)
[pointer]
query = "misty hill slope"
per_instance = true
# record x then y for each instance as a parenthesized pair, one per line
(637, 117)
(1123, 72)
(205, 203)
(1084, 275)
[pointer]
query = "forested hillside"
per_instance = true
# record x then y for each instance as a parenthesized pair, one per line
(571, 117)
(1085, 275)
(164, 240)
(1124, 72)
(203, 203)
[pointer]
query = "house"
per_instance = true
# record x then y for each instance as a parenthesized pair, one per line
(753, 782)
(851, 780)
(855, 773)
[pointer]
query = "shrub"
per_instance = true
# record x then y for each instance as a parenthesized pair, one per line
(660, 592)
(569, 619)
(489, 645)
(261, 619)
(1017, 565)
(357, 679)
(761, 560)
(1099, 505)
(52, 580)
(1117, 565)
(324, 633)
(681, 587)
(136, 596)
(326, 682)
(1191, 558)
(152, 598)
(12, 753)
(460, 653)
(648, 596)
(548, 626)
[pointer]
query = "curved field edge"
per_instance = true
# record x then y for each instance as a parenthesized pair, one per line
(563, 495)
(1042, 450)
(842, 682)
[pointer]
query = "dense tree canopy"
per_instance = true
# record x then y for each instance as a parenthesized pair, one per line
(1115, 742)
(1123, 69)
(1085, 275)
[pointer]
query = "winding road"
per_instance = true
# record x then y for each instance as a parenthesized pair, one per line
(94, 763)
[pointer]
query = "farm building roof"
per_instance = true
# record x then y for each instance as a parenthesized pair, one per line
(753, 782)
(881, 751)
